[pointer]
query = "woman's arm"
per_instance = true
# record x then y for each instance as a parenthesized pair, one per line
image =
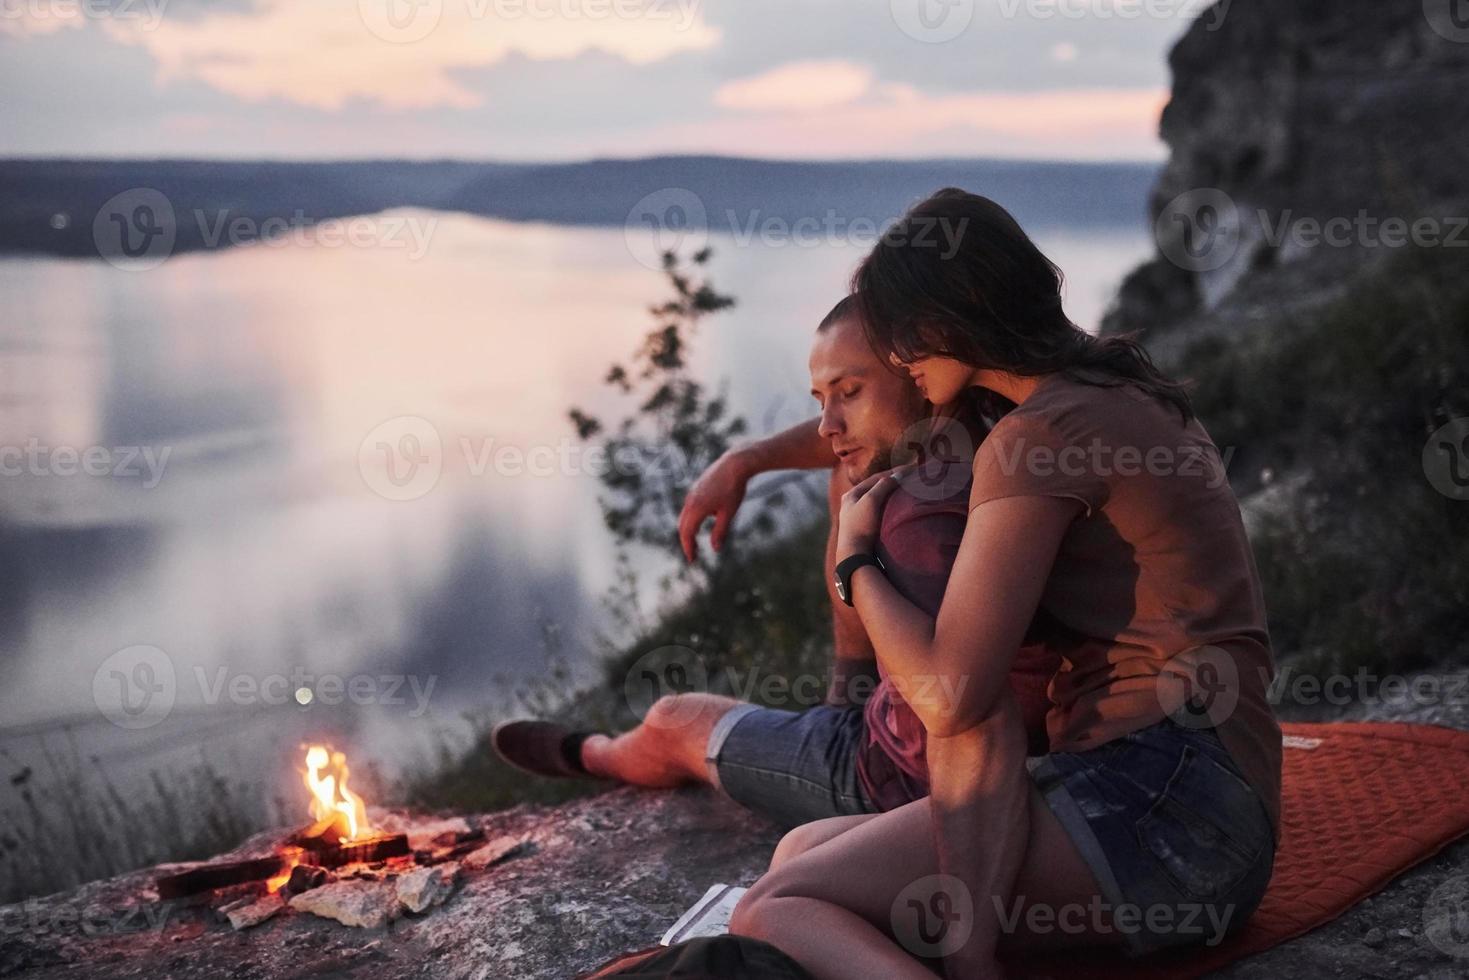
(953, 668)
(719, 490)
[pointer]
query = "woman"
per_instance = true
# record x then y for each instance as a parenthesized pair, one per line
(1099, 509)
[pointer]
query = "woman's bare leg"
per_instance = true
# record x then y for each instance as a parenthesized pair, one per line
(832, 907)
(666, 749)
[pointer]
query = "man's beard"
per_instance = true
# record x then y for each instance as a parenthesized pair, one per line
(882, 461)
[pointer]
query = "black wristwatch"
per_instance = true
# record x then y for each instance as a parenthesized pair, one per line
(845, 569)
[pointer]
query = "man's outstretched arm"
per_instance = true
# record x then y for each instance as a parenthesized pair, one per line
(719, 490)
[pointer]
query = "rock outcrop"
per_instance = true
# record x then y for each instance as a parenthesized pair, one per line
(585, 881)
(1306, 139)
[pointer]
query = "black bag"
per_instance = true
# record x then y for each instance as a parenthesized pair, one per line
(706, 958)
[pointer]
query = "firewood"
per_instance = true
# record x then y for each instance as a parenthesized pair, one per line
(368, 851)
(221, 875)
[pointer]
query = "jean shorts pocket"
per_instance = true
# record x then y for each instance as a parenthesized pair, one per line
(1206, 831)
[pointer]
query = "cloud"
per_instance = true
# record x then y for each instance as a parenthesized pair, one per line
(899, 120)
(799, 85)
(327, 53)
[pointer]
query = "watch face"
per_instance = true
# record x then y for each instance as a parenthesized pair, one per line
(841, 589)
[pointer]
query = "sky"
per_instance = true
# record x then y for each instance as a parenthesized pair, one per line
(577, 79)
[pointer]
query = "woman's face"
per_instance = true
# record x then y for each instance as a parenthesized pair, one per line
(940, 379)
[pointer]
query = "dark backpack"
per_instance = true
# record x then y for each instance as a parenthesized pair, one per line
(706, 958)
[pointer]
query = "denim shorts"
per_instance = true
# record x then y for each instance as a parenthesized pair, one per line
(791, 767)
(1181, 846)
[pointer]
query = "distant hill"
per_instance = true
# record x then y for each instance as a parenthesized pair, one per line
(50, 206)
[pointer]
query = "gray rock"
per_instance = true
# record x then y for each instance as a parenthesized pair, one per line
(423, 888)
(247, 916)
(359, 903)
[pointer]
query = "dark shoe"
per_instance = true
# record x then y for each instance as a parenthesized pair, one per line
(543, 748)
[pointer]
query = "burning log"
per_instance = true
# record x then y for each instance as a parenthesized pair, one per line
(370, 850)
(222, 875)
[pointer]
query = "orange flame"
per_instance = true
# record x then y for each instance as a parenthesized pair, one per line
(326, 777)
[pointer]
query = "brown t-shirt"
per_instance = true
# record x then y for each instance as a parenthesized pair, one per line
(1156, 568)
(922, 524)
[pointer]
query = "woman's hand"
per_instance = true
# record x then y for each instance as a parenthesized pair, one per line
(861, 515)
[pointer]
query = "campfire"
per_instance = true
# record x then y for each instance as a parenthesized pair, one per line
(340, 847)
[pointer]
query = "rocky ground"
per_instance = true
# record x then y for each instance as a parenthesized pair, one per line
(590, 879)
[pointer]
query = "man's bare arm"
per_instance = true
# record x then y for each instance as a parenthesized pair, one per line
(719, 490)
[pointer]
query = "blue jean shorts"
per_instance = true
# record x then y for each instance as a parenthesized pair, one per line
(791, 767)
(1181, 846)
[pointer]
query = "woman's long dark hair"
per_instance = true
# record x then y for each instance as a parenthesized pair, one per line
(958, 277)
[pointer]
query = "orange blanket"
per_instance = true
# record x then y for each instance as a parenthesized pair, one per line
(1362, 802)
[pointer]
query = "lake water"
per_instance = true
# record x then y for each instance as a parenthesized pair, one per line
(265, 549)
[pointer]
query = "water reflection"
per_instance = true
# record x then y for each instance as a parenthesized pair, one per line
(254, 545)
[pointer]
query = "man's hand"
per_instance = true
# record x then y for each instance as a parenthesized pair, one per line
(717, 493)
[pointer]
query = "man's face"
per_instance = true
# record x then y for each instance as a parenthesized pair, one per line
(865, 407)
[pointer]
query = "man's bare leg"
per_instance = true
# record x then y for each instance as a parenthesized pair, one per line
(667, 748)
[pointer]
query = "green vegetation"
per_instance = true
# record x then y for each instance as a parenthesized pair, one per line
(1364, 564)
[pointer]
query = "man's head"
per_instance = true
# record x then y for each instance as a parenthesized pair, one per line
(865, 405)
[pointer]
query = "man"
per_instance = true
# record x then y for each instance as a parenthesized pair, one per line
(846, 756)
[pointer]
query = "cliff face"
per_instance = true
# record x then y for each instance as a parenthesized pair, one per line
(1301, 135)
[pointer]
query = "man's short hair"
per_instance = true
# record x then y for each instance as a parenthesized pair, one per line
(846, 306)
